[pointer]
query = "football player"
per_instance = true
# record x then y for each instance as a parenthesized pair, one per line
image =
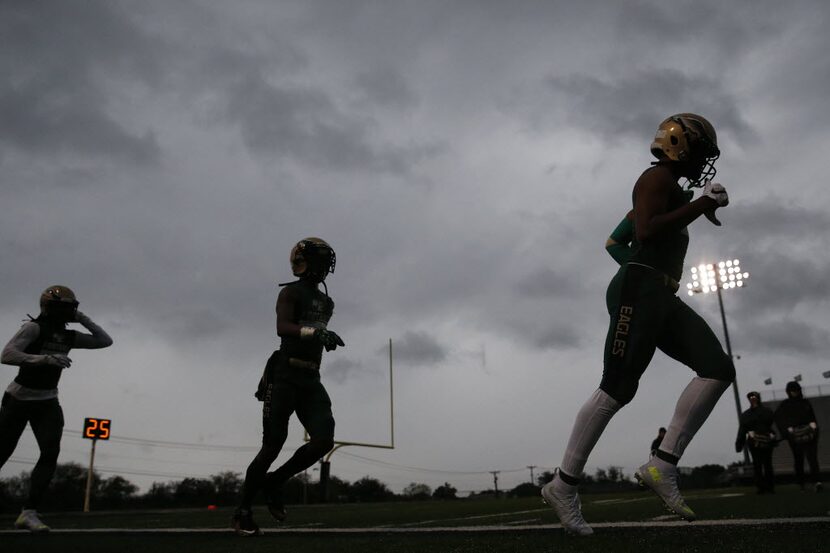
(645, 314)
(40, 349)
(291, 383)
(755, 432)
(796, 421)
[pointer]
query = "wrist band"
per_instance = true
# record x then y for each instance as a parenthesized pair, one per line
(307, 332)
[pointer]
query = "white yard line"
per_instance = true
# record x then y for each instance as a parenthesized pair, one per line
(471, 517)
(453, 529)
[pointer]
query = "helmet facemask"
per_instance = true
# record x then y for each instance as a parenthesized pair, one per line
(690, 140)
(313, 259)
(59, 304)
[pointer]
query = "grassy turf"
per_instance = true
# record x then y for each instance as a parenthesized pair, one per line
(636, 506)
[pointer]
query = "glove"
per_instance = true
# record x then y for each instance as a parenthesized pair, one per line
(717, 192)
(58, 360)
(329, 339)
(81, 318)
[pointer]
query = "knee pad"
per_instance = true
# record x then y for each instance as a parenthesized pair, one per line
(722, 369)
(622, 394)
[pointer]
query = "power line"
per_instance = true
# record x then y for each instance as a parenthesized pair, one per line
(171, 444)
(421, 469)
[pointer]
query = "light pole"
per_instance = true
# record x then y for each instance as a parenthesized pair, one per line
(723, 275)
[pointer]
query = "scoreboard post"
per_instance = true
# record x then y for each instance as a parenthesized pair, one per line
(94, 429)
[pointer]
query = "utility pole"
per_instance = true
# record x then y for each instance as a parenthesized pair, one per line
(531, 467)
(495, 474)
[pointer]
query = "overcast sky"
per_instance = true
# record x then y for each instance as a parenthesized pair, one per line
(466, 160)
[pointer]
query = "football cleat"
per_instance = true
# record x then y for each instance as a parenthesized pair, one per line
(565, 503)
(243, 523)
(663, 482)
(28, 520)
(276, 506)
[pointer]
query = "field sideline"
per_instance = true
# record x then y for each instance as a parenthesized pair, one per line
(731, 520)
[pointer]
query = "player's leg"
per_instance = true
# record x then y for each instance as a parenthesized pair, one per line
(634, 305)
(314, 412)
(13, 419)
(687, 338)
(757, 455)
(46, 419)
(279, 403)
(811, 453)
(769, 474)
(798, 461)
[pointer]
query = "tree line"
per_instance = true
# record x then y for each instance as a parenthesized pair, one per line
(68, 487)
(116, 492)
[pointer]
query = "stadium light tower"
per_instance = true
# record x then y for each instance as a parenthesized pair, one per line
(723, 275)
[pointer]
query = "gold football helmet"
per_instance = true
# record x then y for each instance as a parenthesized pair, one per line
(59, 302)
(313, 258)
(688, 138)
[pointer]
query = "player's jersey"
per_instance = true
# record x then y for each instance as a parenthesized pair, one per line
(52, 339)
(312, 308)
(666, 251)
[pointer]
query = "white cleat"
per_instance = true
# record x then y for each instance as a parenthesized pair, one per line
(28, 520)
(663, 482)
(567, 506)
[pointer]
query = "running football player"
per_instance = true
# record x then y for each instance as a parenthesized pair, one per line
(291, 382)
(645, 314)
(40, 349)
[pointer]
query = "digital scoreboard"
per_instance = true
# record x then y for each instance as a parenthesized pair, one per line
(96, 429)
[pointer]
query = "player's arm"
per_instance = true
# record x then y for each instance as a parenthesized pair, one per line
(288, 326)
(618, 244)
(98, 338)
(286, 309)
(15, 351)
(651, 195)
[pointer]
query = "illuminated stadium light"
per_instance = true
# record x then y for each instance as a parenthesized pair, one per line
(714, 277)
(710, 277)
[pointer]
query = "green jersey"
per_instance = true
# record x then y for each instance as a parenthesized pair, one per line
(311, 308)
(666, 251)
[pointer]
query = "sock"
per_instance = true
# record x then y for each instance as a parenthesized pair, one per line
(590, 422)
(693, 408)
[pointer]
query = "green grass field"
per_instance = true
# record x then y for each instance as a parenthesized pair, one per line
(485, 525)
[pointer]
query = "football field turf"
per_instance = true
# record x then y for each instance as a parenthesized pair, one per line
(731, 520)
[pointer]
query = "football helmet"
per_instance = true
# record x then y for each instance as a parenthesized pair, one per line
(59, 302)
(691, 139)
(312, 258)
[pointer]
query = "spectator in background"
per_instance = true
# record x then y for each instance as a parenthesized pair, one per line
(755, 432)
(796, 422)
(658, 440)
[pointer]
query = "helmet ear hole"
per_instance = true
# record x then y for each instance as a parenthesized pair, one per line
(674, 141)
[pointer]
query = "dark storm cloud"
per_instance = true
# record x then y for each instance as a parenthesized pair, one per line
(633, 104)
(784, 335)
(781, 246)
(385, 86)
(557, 335)
(304, 123)
(341, 369)
(53, 57)
(546, 282)
(418, 349)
